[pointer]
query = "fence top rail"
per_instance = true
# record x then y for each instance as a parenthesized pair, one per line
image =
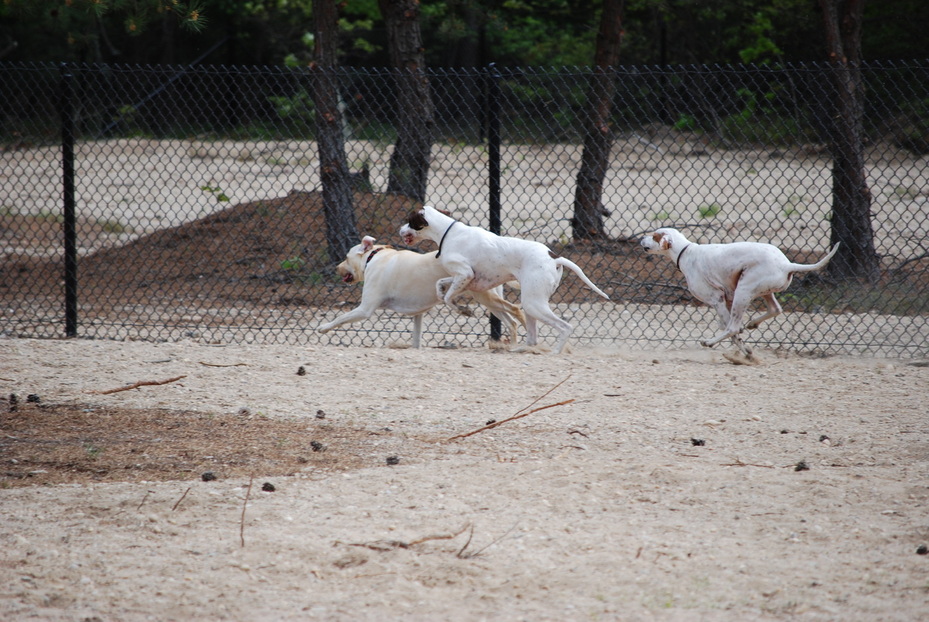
(506, 72)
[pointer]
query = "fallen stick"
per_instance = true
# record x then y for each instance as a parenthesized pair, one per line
(147, 493)
(739, 463)
(388, 545)
(244, 505)
(513, 418)
(218, 365)
(461, 554)
(141, 383)
(518, 415)
(181, 499)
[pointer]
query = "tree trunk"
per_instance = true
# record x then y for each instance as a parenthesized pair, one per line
(414, 118)
(851, 197)
(598, 138)
(341, 230)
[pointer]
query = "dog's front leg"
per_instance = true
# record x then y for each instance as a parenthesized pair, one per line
(723, 317)
(417, 330)
(455, 285)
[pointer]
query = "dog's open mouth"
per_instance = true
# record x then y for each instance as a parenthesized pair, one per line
(348, 278)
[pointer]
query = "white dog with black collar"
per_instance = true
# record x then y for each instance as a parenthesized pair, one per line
(729, 276)
(478, 260)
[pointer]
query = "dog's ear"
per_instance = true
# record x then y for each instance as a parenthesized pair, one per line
(366, 243)
(665, 241)
(417, 220)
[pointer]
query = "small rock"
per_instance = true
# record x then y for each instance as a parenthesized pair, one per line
(320, 414)
(922, 549)
(317, 446)
(268, 487)
(301, 371)
(491, 422)
(208, 476)
(392, 460)
(697, 442)
(802, 466)
(32, 398)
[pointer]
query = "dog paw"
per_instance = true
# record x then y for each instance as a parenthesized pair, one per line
(737, 357)
(465, 310)
(536, 349)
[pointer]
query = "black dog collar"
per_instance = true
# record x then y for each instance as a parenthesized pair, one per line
(442, 241)
(372, 254)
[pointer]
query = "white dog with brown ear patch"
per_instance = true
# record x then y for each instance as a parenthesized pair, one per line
(478, 260)
(729, 276)
(405, 282)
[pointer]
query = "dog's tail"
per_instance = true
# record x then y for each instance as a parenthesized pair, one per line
(561, 261)
(813, 267)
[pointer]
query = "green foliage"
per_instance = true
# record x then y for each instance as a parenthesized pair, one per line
(708, 211)
(298, 110)
(293, 264)
(761, 120)
(913, 132)
(217, 193)
(686, 123)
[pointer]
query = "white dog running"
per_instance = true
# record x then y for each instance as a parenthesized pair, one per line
(729, 276)
(479, 260)
(405, 282)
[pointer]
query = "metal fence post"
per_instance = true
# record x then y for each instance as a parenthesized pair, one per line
(493, 152)
(67, 184)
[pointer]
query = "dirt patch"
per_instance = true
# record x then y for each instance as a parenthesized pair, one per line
(87, 443)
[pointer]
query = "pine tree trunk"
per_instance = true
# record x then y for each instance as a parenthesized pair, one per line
(341, 229)
(598, 138)
(414, 117)
(851, 197)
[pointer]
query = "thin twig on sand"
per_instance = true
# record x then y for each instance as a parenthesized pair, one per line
(513, 418)
(739, 463)
(462, 555)
(147, 493)
(141, 383)
(181, 499)
(218, 365)
(244, 505)
(389, 545)
(519, 413)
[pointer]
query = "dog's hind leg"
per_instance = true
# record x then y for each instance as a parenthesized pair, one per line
(355, 315)
(774, 309)
(536, 309)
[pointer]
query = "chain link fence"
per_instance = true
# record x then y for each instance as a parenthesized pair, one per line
(197, 209)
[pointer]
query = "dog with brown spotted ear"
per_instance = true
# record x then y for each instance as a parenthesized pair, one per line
(404, 281)
(478, 260)
(728, 277)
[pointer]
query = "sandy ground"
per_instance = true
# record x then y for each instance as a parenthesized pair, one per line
(603, 508)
